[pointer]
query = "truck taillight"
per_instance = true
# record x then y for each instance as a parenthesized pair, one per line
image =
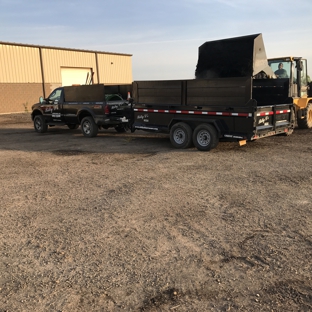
(107, 109)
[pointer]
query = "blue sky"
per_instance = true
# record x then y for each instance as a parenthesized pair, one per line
(162, 35)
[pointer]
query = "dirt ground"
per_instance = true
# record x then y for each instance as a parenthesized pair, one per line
(125, 222)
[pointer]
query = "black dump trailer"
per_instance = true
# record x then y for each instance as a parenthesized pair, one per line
(234, 100)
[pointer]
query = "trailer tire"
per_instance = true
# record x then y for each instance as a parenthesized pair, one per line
(205, 137)
(39, 124)
(88, 127)
(306, 122)
(181, 135)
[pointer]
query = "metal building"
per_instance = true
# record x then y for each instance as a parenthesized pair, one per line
(28, 72)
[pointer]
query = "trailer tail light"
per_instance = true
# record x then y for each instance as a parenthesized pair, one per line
(106, 109)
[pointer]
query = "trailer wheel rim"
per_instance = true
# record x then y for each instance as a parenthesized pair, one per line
(179, 136)
(86, 127)
(203, 137)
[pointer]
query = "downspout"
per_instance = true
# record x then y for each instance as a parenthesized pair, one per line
(42, 72)
(97, 67)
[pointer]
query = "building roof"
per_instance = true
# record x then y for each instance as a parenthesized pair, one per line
(60, 48)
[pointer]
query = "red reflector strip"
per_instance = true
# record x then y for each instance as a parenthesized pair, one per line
(285, 111)
(265, 114)
(185, 112)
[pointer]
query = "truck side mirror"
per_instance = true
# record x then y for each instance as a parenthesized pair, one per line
(41, 100)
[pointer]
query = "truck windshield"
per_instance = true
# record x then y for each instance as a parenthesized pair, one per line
(281, 68)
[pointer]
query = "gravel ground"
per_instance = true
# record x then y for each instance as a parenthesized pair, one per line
(124, 222)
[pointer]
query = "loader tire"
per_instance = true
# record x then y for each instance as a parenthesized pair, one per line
(306, 122)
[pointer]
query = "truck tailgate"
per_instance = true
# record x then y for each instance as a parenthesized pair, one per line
(271, 120)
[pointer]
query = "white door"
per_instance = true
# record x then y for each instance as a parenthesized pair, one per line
(75, 76)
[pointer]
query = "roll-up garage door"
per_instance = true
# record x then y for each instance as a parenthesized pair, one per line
(72, 76)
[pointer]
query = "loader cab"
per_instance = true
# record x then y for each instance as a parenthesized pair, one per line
(296, 69)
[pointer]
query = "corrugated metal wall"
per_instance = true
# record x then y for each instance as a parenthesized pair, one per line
(25, 69)
(19, 64)
(114, 69)
(53, 60)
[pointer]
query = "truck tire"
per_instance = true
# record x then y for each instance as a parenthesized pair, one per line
(88, 127)
(39, 124)
(181, 135)
(205, 137)
(306, 122)
(73, 126)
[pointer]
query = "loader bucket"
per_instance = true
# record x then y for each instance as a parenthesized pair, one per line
(232, 57)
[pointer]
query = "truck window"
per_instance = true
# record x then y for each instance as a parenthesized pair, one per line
(55, 95)
(113, 97)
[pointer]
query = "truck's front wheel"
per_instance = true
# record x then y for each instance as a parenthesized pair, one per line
(181, 135)
(306, 122)
(88, 127)
(205, 137)
(39, 124)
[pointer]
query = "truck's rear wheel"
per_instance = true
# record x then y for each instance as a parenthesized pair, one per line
(306, 122)
(39, 124)
(181, 135)
(88, 127)
(205, 137)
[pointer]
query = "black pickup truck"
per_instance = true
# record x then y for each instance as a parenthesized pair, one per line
(91, 106)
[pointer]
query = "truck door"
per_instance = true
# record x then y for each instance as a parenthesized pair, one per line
(52, 106)
(70, 111)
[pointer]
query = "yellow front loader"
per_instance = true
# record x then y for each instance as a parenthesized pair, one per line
(300, 86)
